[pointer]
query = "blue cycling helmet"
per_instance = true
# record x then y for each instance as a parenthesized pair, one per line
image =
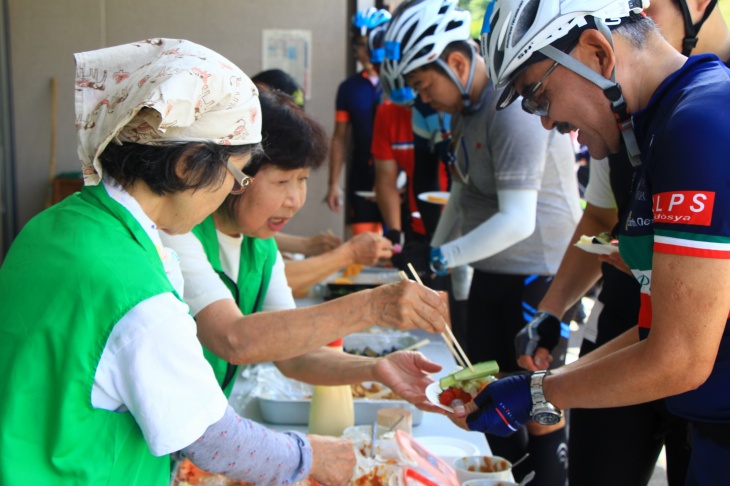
(366, 20)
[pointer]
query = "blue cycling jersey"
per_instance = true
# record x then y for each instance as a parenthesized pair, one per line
(680, 200)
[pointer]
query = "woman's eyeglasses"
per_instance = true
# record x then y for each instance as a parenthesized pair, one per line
(242, 181)
(539, 107)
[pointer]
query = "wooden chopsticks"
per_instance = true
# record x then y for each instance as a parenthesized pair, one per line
(448, 336)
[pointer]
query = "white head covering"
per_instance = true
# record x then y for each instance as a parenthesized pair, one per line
(194, 95)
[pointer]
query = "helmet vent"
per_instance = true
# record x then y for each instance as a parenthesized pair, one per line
(454, 24)
(524, 20)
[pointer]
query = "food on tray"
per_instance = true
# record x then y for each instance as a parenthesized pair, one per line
(352, 269)
(602, 239)
(436, 199)
(342, 281)
(489, 464)
(465, 384)
(376, 390)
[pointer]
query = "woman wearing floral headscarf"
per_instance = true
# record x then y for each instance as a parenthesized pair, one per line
(103, 376)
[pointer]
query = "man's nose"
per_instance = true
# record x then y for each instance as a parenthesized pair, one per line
(547, 122)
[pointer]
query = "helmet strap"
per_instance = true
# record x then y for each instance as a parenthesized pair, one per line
(691, 30)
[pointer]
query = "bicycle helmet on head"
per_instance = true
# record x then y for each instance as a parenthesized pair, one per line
(376, 44)
(519, 33)
(366, 20)
(417, 34)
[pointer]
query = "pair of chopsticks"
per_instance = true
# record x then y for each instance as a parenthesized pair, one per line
(448, 336)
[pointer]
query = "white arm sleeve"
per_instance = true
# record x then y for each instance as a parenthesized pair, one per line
(514, 222)
(598, 191)
(448, 225)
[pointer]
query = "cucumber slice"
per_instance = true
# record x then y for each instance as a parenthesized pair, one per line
(485, 368)
(448, 381)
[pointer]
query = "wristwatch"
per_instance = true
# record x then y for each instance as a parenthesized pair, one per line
(543, 412)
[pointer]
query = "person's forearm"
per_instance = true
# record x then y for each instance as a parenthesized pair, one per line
(337, 158)
(291, 243)
(623, 340)
(514, 222)
(267, 336)
(245, 451)
(303, 273)
(388, 196)
(329, 367)
(579, 270)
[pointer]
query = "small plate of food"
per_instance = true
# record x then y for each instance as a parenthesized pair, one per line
(436, 197)
(463, 384)
(603, 244)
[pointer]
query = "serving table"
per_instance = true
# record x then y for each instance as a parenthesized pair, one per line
(432, 424)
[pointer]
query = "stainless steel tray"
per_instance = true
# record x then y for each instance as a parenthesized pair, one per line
(296, 412)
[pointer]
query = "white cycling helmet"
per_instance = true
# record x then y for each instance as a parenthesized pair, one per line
(514, 30)
(366, 20)
(518, 33)
(417, 34)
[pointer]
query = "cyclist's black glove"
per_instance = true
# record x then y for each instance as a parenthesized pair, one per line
(543, 331)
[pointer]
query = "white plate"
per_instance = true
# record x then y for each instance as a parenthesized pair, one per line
(427, 196)
(448, 446)
(597, 248)
(365, 193)
(432, 393)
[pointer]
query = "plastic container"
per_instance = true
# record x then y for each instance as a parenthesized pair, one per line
(332, 409)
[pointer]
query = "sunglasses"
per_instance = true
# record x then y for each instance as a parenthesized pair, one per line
(539, 107)
(242, 181)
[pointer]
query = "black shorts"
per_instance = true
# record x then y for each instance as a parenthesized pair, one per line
(499, 307)
(610, 446)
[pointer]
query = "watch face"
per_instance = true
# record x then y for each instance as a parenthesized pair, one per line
(547, 418)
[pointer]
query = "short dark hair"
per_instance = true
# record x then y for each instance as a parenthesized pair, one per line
(278, 79)
(292, 140)
(156, 165)
(461, 46)
(637, 31)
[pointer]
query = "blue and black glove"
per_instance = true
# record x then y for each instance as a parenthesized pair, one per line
(543, 331)
(504, 406)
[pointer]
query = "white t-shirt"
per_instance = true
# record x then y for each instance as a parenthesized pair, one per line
(598, 191)
(153, 365)
(203, 286)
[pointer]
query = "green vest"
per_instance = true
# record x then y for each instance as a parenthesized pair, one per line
(254, 274)
(69, 277)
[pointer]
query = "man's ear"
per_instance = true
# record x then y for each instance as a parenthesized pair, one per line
(594, 50)
(697, 9)
(460, 65)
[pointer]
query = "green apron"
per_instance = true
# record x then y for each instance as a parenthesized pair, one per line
(73, 272)
(249, 291)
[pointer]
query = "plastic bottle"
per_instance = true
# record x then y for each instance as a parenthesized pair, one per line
(332, 409)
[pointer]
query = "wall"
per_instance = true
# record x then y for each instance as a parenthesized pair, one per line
(44, 34)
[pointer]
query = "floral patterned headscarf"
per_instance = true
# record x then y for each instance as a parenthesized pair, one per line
(160, 90)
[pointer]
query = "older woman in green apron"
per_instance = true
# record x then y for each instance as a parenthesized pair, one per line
(103, 376)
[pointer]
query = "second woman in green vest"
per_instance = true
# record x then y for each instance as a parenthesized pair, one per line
(232, 268)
